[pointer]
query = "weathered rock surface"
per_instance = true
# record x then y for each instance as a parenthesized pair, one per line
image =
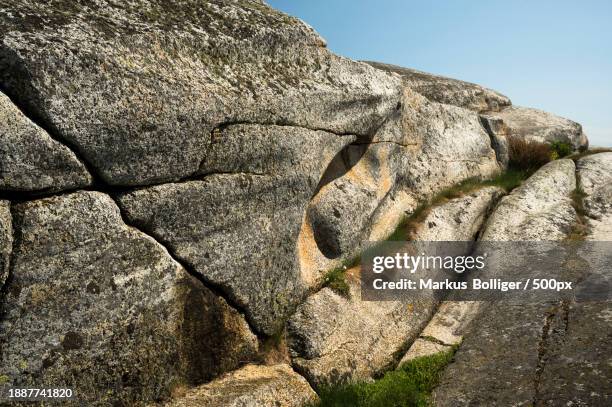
(578, 364)
(334, 339)
(595, 178)
(139, 87)
(423, 148)
(6, 240)
(423, 347)
(459, 219)
(540, 126)
(251, 386)
(537, 352)
(99, 307)
(30, 160)
(497, 361)
(239, 228)
(447, 90)
(539, 209)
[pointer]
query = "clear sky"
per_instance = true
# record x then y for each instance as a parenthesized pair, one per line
(552, 55)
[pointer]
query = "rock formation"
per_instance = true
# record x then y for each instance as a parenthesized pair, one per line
(177, 180)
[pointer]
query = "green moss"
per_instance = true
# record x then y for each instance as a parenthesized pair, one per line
(336, 278)
(560, 149)
(580, 227)
(410, 385)
(4, 379)
(507, 180)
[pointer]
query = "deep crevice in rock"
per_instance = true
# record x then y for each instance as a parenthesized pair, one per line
(38, 119)
(216, 289)
(8, 283)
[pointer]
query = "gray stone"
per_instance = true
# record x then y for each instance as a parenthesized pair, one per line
(423, 148)
(595, 178)
(335, 340)
(451, 321)
(539, 209)
(139, 87)
(421, 348)
(459, 219)
(497, 361)
(499, 133)
(99, 307)
(6, 241)
(447, 90)
(578, 364)
(239, 228)
(251, 386)
(537, 125)
(30, 160)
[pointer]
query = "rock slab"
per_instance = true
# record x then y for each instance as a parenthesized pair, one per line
(99, 307)
(251, 386)
(238, 226)
(140, 87)
(30, 160)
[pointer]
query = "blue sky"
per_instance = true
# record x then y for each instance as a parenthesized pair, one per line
(552, 55)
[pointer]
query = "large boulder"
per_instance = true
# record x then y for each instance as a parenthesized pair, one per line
(30, 160)
(539, 351)
(447, 90)
(334, 339)
(595, 179)
(537, 125)
(6, 240)
(138, 88)
(101, 308)
(423, 148)
(238, 227)
(251, 386)
(539, 209)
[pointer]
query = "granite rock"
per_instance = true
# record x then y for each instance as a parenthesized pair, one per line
(447, 90)
(30, 160)
(139, 88)
(101, 308)
(238, 226)
(251, 386)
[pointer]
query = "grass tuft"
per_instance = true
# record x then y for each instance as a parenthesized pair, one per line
(335, 279)
(411, 385)
(580, 228)
(508, 180)
(527, 155)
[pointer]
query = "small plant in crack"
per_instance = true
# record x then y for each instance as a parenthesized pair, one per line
(580, 227)
(335, 279)
(408, 386)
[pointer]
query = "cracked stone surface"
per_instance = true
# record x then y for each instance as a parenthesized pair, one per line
(514, 354)
(578, 364)
(459, 219)
(251, 386)
(138, 87)
(336, 340)
(539, 209)
(6, 240)
(30, 160)
(497, 361)
(423, 347)
(423, 148)
(99, 307)
(239, 230)
(595, 178)
(447, 90)
(540, 126)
